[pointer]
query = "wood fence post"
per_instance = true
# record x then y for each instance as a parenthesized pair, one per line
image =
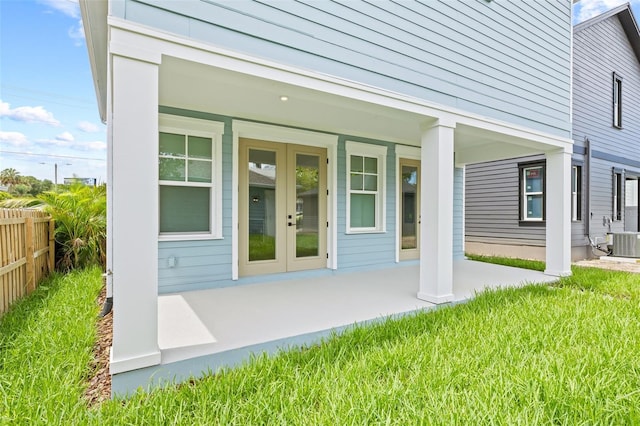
(52, 245)
(29, 241)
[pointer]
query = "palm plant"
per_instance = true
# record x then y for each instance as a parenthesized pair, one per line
(10, 177)
(81, 223)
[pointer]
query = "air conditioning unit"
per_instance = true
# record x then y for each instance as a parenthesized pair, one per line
(626, 244)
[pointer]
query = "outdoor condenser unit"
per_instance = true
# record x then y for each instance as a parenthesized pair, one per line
(626, 244)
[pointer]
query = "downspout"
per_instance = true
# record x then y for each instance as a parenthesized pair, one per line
(108, 120)
(587, 163)
(108, 303)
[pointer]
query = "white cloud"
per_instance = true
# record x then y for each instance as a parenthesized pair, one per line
(13, 138)
(91, 146)
(66, 140)
(55, 142)
(76, 33)
(28, 114)
(87, 127)
(68, 7)
(65, 137)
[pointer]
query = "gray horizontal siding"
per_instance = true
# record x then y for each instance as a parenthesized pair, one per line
(491, 206)
(602, 198)
(600, 50)
(458, 213)
(507, 60)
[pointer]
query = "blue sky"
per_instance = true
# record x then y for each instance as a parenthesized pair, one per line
(48, 111)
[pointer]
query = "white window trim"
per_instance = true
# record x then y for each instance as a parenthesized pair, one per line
(617, 101)
(525, 193)
(618, 179)
(207, 129)
(375, 151)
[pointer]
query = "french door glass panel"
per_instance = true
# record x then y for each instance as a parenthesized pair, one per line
(410, 207)
(307, 205)
(262, 205)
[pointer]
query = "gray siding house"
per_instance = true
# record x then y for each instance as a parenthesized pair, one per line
(250, 141)
(505, 200)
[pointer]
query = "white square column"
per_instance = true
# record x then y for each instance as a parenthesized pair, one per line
(133, 148)
(558, 213)
(436, 209)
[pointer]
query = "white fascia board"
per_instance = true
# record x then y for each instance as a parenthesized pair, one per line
(96, 35)
(125, 33)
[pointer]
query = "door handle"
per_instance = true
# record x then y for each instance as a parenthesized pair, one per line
(291, 224)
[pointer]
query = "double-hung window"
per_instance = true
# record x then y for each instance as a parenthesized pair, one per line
(365, 187)
(189, 169)
(532, 195)
(617, 101)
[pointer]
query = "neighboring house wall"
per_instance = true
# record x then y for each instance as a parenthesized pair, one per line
(601, 49)
(458, 213)
(509, 61)
(493, 217)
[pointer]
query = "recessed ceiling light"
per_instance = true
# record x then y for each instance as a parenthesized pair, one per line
(284, 98)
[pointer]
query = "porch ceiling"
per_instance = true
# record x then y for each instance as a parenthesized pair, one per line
(200, 87)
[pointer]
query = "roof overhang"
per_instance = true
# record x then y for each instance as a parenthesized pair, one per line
(201, 77)
(94, 20)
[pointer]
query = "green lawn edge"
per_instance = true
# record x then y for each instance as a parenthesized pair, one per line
(564, 353)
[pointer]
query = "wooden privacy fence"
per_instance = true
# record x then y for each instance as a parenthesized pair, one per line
(27, 252)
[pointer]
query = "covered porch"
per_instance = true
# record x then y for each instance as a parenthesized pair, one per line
(223, 327)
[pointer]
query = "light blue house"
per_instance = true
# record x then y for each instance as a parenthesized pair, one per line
(251, 141)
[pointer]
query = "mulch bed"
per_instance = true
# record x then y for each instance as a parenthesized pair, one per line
(99, 384)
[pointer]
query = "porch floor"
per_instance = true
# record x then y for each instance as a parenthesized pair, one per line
(199, 323)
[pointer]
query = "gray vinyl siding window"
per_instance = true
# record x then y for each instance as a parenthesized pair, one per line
(576, 193)
(532, 193)
(617, 101)
(617, 195)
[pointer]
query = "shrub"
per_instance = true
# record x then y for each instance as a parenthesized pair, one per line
(81, 225)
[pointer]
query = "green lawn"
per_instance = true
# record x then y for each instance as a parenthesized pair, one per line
(560, 354)
(263, 247)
